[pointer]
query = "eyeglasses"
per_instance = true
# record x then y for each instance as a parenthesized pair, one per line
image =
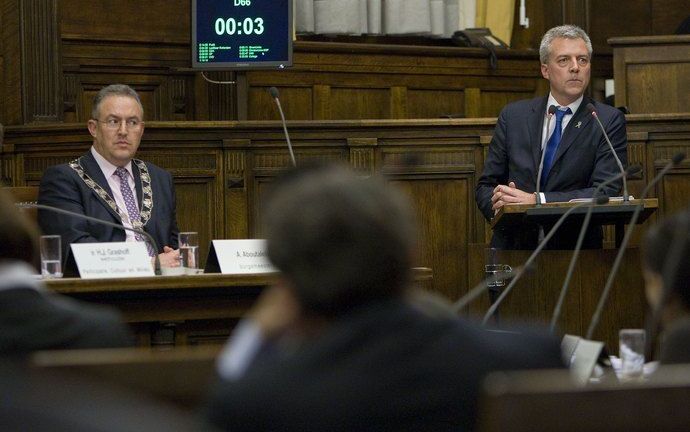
(115, 124)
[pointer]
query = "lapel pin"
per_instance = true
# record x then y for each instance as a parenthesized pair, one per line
(578, 124)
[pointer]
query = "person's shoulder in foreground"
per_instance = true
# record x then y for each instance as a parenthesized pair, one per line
(31, 317)
(360, 356)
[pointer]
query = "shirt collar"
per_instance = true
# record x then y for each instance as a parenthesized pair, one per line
(573, 106)
(18, 274)
(108, 168)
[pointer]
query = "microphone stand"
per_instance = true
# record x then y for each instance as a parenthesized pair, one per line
(626, 239)
(274, 94)
(152, 241)
(576, 252)
(590, 108)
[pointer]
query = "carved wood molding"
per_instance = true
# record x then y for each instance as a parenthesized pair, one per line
(42, 99)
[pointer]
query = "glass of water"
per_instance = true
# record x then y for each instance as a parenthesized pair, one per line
(492, 268)
(51, 256)
(189, 252)
(632, 345)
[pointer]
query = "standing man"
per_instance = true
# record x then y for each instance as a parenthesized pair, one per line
(577, 156)
(109, 184)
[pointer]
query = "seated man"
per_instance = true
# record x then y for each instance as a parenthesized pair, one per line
(576, 156)
(109, 184)
(339, 344)
(31, 317)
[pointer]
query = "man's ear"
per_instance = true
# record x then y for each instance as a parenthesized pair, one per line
(91, 124)
(545, 71)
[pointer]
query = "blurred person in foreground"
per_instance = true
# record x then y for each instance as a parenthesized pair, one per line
(671, 302)
(33, 318)
(337, 343)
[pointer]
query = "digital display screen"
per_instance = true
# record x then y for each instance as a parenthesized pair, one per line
(241, 34)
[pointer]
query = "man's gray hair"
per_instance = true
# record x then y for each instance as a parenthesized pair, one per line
(114, 90)
(566, 32)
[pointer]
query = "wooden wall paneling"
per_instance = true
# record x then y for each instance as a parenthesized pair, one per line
(398, 102)
(359, 81)
(652, 73)
(237, 172)
(42, 97)
(321, 102)
(295, 101)
(667, 15)
(198, 177)
(221, 98)
(364, 155)
(10, 63)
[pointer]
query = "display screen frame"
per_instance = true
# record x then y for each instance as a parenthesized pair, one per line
(242, 65)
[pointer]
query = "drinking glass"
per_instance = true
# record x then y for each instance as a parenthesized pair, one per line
(189, 252)
(632, 345)
(51, 256)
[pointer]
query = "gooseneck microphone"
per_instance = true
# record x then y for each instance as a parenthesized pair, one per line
(545, 240)
(151, 240)
(592, 110)
(549, 116)
(678, 158)
(274, 94)
(578, 247)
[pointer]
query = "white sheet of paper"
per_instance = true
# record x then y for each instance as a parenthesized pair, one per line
(112, 260)
(243, 256)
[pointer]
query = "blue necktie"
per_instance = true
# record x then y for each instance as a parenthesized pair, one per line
(552, 145)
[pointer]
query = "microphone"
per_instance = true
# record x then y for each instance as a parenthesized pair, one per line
(274, 94)
(545, 240)
(678, 158)
(578, 247)
(590, 108)
(549, 116)
(151, 240)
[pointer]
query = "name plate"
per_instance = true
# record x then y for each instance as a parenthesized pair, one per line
(243, 256)
(112, 260)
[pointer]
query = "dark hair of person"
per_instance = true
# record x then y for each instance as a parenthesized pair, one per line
(657, 246)
(18, 235)
(341, 240)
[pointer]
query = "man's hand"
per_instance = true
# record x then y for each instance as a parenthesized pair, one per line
(170, 257)
(510, 195)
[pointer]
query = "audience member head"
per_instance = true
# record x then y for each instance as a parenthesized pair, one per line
(658, 246)
(340, 241)
(18, 235)
(565, 53)
(117, 123)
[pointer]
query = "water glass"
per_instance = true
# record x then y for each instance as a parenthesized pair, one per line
(632, 345)
(51, 256)
(189, 252)
(492, 268)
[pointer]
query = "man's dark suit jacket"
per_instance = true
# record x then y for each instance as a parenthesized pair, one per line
(583, 160)
(385, 366)
(34, 320)
(62, 187)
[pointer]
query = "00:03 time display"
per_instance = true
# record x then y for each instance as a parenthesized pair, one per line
(246, 26)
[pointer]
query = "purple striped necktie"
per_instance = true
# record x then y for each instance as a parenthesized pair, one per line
(132, 209)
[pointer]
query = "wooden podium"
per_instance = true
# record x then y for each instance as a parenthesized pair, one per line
(535, 295)
(617, 213)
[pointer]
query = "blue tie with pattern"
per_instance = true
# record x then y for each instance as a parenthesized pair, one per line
(132, 209)
(552, 145)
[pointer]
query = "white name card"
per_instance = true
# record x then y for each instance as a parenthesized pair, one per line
(112, 260)
(243, 256)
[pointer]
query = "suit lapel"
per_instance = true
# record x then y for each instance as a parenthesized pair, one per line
(577, 124)
(137, 184)
(535, 125)
(92, 169)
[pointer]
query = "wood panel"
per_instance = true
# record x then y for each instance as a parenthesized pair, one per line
(10, 63)
(639, 65)
(222, 169)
